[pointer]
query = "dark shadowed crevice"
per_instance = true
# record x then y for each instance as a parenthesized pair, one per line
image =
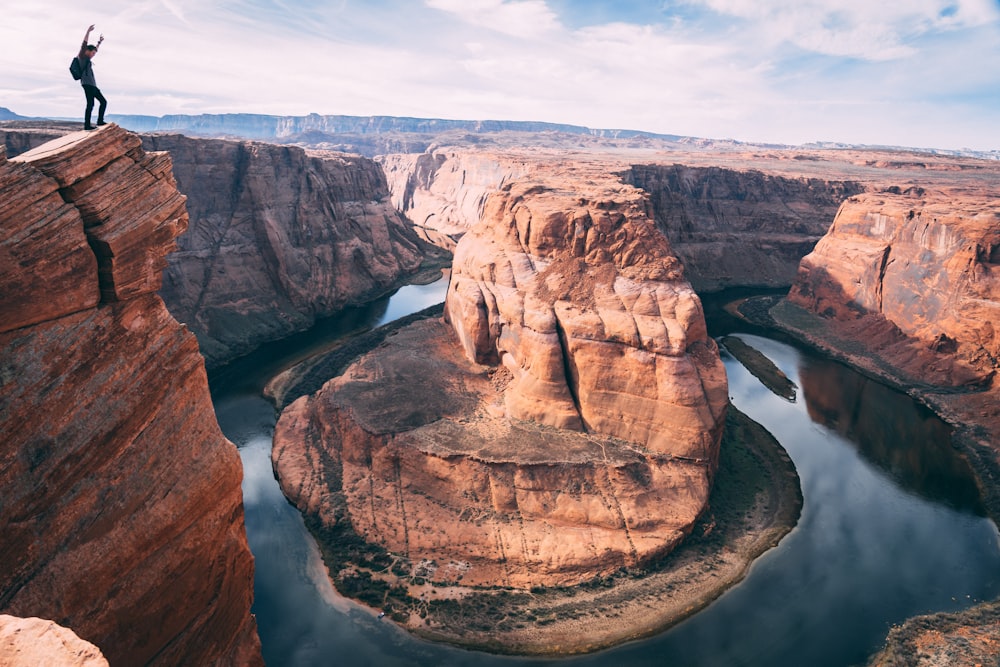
(570, 371)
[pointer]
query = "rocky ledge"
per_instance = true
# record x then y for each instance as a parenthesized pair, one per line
(916, 275)
(28, 642)
(122, 513)
(572, 392)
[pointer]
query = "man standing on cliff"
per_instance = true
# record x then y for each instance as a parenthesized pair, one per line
(90, 89)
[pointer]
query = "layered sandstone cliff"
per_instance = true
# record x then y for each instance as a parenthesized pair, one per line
(738, 227)
(443, 192)
(916, 275)
(731, 225)
(566, 423)
(122, 513)
(279, 237)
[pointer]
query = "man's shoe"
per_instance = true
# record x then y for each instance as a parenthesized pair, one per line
(88, 127)
(101, 122)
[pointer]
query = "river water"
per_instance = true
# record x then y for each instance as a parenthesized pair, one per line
(891, 526)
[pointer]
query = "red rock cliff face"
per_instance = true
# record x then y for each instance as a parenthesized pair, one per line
(122, 513)
(279, 237)
(917, 273)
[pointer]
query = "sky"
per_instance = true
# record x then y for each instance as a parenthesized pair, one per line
(917, 73)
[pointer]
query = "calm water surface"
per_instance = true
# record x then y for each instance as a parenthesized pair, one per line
(892, 526)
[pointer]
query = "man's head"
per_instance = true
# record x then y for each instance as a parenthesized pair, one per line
(90, 51)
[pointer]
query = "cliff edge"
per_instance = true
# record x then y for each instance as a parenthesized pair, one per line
(122, 514)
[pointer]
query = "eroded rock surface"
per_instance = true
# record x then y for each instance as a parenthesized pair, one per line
(578, 295)
(30, 642)
(443, 192)
(735, 227)
(122, 512)
(565, 425)
(915, 274)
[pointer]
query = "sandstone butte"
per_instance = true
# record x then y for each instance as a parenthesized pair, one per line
(122, 514)
(563, 422)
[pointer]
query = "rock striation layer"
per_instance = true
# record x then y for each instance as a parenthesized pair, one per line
(565, 422)
(737, 227)
(122, 514)
(443, 192)
(279, 237)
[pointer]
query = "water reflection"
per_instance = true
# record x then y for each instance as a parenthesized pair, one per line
(898, 435)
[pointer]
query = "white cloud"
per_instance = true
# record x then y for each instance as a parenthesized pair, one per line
(855, 28)
(518, 18)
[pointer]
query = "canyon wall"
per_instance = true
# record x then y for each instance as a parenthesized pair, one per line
(739, 227)
(563, 424)
(914, 274)
(731, 226)
(443, 193)
(122, 513)
(279, 237)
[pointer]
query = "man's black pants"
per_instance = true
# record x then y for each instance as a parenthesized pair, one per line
(94, 93)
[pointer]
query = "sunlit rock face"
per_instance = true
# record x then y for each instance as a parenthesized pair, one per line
(443, 192)
(581, 299)
(25, 642)
(563, 423)
(121, 514)
(917, 275)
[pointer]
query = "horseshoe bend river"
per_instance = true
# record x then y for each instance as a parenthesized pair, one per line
(891, 527)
